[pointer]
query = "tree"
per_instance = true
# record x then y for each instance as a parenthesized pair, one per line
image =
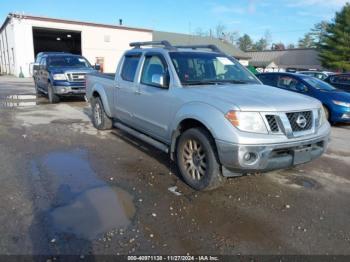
(260, 45)
(278, 46)
(335, 45)
(245, 43)
(220, 30)
(307, 41)
(200, 32)
(319, 32)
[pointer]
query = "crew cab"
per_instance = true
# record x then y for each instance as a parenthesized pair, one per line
(61, 74)
(213, 117)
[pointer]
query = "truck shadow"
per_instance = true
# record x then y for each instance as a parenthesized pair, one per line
(160, 156)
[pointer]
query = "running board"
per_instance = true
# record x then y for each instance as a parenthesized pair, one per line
(142, 137)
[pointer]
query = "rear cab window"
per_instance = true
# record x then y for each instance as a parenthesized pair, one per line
(129, 67)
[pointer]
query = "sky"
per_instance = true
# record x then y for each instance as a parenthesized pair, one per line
(286, 20)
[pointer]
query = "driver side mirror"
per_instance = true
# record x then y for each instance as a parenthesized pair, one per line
(161, 80)
(36, 66)
(97, 67)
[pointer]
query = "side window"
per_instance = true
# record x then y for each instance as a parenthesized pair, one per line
(343, 79)
(268, 79)
(43, 63)
(129, 67)
(153, 65)
(288, 82)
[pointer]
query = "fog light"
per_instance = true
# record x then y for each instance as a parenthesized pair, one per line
(346, 116)
(250, 157)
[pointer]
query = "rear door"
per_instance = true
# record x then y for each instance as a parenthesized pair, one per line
(268, 79)
(126, 94)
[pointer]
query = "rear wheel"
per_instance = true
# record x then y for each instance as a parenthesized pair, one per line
(197, 160)
(53, 98)
(100, 119)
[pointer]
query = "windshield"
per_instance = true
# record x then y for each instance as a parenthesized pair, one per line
(208, 68)
(68, 61)
(318, 84)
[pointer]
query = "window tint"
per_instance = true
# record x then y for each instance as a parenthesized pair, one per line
(129, 67)
(344, 79)
(287, 82)
(153, 66)
(198, 67)
(43, 62)
(268, 79)
(68, 61)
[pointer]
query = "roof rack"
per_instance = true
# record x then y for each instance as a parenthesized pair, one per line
(211, 47)
(164, 43)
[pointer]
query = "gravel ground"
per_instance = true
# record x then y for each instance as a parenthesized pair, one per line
(70, 189)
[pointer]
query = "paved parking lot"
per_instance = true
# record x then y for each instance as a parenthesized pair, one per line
(67, 188)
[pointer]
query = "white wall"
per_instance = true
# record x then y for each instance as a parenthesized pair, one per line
(8, 49)
(244, 62)
(94, 44)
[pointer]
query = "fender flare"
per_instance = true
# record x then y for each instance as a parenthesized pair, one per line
(102, 94)
(209, 116)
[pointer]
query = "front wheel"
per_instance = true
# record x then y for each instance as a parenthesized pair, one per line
(197, 160)
(100, 119)
(53, 98)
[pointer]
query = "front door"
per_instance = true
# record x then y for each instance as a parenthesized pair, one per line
(153, 107)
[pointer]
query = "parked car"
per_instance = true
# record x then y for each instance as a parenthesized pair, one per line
(336, 102)
(341, 81)
(318, 74)
(212, 115)
(61, 74)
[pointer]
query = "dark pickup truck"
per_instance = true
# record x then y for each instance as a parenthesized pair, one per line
(61, 74)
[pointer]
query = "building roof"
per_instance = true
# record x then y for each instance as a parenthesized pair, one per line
(74, 22)
(303, 58)
(185, 39)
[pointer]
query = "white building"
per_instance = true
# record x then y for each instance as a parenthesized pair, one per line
(23, 36)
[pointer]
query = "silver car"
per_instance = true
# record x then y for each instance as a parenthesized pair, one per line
(213, 117)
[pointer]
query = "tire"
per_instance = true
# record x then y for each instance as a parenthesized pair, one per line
(197, 160)
(37, 91)
(53, 98)
(100, 119)
(326, 111)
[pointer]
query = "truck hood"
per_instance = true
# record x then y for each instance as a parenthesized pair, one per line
(260, 98)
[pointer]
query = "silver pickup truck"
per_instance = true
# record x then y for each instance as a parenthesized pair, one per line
(213, 117)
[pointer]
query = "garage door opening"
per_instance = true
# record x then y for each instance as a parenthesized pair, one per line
(55, 40)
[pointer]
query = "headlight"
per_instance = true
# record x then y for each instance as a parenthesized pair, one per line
(322, 116)
(340, 103)
(59, 77)
(247, 121)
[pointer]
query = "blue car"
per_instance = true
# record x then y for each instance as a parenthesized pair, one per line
(336, 102)
(60, 75)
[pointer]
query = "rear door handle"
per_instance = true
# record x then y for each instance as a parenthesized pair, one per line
(138, 92)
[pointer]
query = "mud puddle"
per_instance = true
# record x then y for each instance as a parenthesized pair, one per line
(80, 203)
(14, 101)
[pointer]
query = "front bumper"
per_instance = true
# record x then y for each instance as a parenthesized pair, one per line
(267, 157)
(70, 90)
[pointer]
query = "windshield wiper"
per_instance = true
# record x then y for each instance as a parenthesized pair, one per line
(232, 81)
(203, 83)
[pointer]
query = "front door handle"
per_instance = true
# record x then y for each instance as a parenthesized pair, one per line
(138, 92)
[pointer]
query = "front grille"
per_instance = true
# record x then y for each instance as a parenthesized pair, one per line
(76, 77)
(300, 121)
(271, 119)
